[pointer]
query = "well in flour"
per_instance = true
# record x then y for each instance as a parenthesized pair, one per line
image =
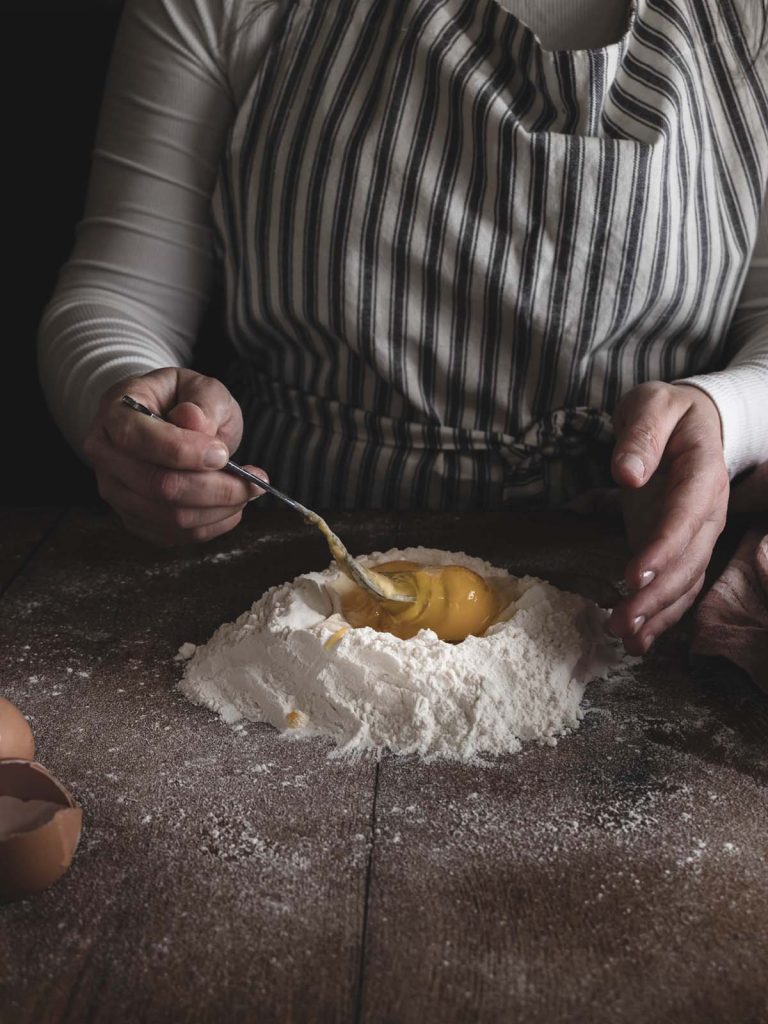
(293, 661)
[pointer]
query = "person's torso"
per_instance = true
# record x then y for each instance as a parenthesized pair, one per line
(431, 223)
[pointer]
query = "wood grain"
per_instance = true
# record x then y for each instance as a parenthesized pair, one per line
(221, 872)
(619, 877)
(228, 875)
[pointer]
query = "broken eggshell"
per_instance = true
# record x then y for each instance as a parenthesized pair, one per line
(16, 738)
(39, 829)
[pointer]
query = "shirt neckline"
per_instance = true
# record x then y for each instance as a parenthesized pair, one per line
(619, 45)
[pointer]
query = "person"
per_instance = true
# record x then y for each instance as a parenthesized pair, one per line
(466, 246)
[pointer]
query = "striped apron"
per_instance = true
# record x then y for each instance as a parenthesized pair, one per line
(447, 252)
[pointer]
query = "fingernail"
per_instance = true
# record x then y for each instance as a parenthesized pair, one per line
(637, 622)
(647, 577)
(216, 457)
(633, 463)
(262, 475)
(649, 642)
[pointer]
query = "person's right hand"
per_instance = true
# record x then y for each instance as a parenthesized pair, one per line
(160, 478)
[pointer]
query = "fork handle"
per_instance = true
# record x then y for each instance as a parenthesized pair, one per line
(237, 470)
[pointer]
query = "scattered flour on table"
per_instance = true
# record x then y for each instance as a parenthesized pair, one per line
(523, 680)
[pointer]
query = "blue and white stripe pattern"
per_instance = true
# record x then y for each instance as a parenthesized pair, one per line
(448, 251)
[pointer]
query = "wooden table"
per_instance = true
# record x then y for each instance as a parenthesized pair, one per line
(227, 874)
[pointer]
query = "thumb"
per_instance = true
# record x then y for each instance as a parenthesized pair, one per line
(644, 421)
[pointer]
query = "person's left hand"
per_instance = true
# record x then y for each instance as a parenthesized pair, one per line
(668, 460)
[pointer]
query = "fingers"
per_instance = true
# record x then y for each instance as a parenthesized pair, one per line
(205, 421)
(691, 516)
(644, 421)
(206, 405)
(161, 444)
(178, 488)
(663, 591)
(674, 432)
(167, 536)
(189, 416)
(171, 387)
(158, 476)
(179, 518)
(672, 566)
(646, 632)
(200, 505)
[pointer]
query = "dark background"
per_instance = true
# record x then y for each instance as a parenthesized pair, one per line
(57, 54)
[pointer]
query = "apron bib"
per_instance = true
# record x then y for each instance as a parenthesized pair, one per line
(448, 252)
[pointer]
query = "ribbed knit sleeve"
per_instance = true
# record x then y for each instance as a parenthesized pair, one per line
(132, 293)
(740, 391)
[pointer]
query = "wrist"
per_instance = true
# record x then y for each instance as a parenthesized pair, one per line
(703, 402)
(739, 394)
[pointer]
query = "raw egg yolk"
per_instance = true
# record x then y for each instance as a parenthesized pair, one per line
(451, 600)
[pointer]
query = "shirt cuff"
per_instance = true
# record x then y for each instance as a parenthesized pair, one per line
(741, 396)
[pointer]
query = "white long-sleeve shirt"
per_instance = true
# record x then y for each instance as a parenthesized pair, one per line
(131, 296)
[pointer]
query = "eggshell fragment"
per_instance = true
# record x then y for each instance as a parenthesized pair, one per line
(16, 738)
(24, 815)
(37, 841)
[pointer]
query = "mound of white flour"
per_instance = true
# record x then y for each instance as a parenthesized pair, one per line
(523, 680)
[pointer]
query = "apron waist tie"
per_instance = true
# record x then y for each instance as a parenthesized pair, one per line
(565, 432)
